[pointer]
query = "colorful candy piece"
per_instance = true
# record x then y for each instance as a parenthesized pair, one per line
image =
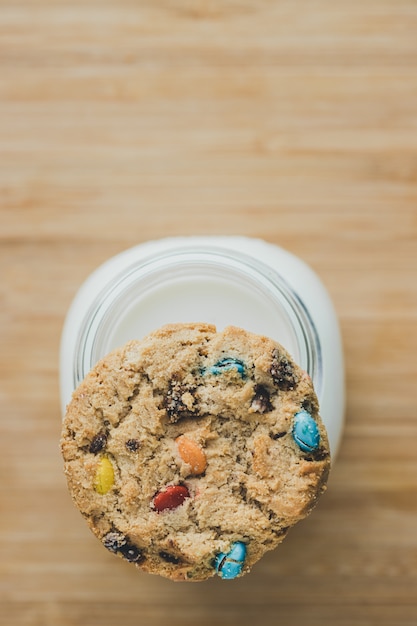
(192, 453)
(305, 432)
(170, 497)
(104, 477)
(226, 365)
(229, 565)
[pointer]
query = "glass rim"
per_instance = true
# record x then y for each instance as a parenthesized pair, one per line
(154, 269)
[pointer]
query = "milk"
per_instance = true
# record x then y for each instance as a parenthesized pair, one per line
(225, 281)
(219, 302)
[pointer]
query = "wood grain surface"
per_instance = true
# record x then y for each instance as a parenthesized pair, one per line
(295, 121)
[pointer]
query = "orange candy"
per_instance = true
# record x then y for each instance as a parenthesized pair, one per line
(192, 454)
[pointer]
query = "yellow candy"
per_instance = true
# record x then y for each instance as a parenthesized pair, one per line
(191, 453)
(104, 478)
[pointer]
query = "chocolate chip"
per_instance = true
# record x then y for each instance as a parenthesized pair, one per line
(174, 401)
(119, 544)
(282, 372)
(261, 402)
(278, 532)
(310, 405)
(113, 541)
(278, 435)
(133, 445)
(98, 443)
(243, 492)
(170, 558)
(131, 553)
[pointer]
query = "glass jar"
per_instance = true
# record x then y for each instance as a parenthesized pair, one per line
(225, 281)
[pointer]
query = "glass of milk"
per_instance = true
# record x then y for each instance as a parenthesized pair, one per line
(225, 281)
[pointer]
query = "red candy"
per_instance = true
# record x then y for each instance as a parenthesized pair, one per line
(170, 498)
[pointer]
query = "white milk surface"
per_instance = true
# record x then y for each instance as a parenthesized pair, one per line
(218, 302)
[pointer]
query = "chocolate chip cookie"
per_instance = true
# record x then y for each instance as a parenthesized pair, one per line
(192, 452)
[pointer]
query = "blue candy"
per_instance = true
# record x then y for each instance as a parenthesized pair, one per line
(227, 364)
(229, 565)
(305, 432)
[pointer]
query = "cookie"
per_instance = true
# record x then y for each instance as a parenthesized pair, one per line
(192, 452)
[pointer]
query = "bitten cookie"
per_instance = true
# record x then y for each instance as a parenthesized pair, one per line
(192, 452)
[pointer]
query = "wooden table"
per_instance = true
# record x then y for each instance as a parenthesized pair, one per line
(122, 121)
